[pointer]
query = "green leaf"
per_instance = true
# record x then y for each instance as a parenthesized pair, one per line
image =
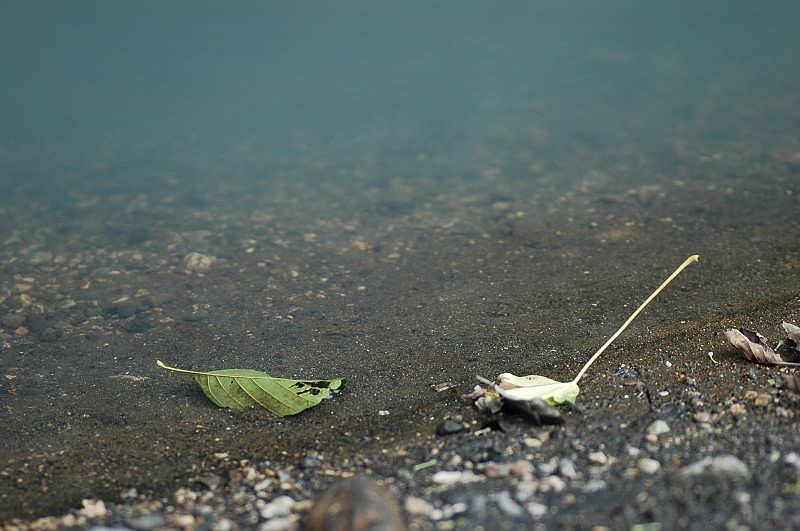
(527, 387)
(241, 388)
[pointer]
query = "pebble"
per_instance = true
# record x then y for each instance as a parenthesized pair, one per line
(282, 523)
(417, 506)
(762, 399)
(449, 427)
(536, 510)
(727, 466)
(553, 483)
(657, 428)
(507, 505)
(148, 522)
(702, 417)
(198, 262)
(280, 506)
(648, 466)
(594, 485)
(598, 458)
(93, 508)
(792, 459)
(451, 477)
(566, 468)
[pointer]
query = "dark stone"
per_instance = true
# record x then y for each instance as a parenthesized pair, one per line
(12, 321)
(138, 326)
(35, 323)
(157, 299)
(127, 309)
(50, 334)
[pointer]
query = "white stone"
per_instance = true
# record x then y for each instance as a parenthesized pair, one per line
(280, 506)
(658, 427)
(648, 466)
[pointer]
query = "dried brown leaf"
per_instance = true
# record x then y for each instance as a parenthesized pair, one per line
(754, 347)
(793, 332)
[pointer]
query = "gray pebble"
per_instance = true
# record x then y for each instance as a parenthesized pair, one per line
(792, 459)
(507, 505)
(727, 466)
(280, 506)
(148, 522)
(449, 427)
(566, 468)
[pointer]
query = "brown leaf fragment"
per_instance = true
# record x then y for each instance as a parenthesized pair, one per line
(754, 347)
(790, 382)
(793, 332)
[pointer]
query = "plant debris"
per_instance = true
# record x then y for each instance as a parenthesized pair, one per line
(793, 332)
(523, 389)
(241, 388)
(755, 348)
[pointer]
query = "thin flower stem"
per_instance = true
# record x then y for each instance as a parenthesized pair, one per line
(683, 266)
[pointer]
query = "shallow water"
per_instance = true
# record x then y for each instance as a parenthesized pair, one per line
(401, 195)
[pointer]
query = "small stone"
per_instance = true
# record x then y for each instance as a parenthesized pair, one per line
(507, 505)
(147, 522)
(553, 483)
(547, 468)
(598, 458)
(737, 409)
(449, 427)
(657, 428)
(648, 466)
(536, 510)
(311, 460)
(280, 506)
(262, 485)
(50, 334)
(526, 489)
(12, 321)
(532, 442)
(417, 506)
(566, 468)
(728, 466)
(282, 523)
(594, 485)
(35, 322)
(198, 262)
(702, 417)
(93, 508)
(212, 481)
(127, 309)
(792, 459)
(451, 477)
(496, 470)
(762, 400)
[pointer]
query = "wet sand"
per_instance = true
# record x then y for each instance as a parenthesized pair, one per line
(521, 265)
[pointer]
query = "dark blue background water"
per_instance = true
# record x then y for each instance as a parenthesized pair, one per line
(431, 87)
